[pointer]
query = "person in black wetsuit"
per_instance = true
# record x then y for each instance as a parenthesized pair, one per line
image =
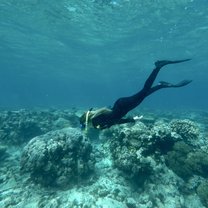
(106, 117)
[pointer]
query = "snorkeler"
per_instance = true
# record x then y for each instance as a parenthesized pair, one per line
(106, 117)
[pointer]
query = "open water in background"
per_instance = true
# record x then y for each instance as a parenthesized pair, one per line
(84, 53)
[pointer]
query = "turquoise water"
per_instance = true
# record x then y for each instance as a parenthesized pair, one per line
(83, 53)
(60, 57)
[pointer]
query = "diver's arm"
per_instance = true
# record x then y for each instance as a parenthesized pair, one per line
(129, 119)
(126, 120)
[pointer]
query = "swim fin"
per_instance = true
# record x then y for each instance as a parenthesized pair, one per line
(180, 84)
(160, 64)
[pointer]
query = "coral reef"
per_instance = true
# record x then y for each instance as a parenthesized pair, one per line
(176, 160)
(138, 150)
(58, 158)
(186, 162)
(130, 147)
(135, 150)
(202, 191)
(146, 165)
(17, 127)
(2, 152)
(188, 130)
(163, 136)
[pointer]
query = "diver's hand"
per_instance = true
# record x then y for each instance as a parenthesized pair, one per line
(136, 118)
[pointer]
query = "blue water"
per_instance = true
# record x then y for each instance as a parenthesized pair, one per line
(84, 53)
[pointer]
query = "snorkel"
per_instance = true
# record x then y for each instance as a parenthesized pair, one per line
(84, 126)
(86, 121)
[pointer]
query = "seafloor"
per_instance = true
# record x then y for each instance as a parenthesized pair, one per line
(158, 162)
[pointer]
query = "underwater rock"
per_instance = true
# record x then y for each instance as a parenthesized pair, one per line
(2, 152)
(109, 202)
(188, 130)
(198, 161)
(163, 136)
(131, 203)
(176, 160)
(107, 186)
(17, 127)
(202, 191)
(138, 150)
(186, 162)
(128, 147)
(135, 149)
(58, 158)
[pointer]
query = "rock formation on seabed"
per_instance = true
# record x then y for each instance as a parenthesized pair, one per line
(157, 164)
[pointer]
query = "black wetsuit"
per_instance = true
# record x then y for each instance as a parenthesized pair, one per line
(125, 104)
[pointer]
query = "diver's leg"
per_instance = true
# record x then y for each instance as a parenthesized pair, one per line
(124, 105)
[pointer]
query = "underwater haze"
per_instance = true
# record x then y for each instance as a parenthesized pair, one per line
(88, 53)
